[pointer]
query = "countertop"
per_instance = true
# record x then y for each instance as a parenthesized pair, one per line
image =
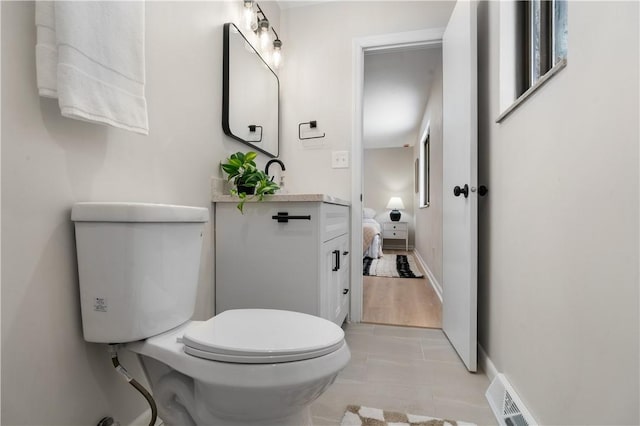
(220, 194)
(324, 198)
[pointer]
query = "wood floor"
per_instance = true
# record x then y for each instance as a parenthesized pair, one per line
(401, 301)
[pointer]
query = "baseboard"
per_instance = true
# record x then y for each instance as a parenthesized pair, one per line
(398, 247)
(486, 364)
(432, 279)
(143, 419)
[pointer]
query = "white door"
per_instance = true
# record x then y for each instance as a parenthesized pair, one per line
(460, 213)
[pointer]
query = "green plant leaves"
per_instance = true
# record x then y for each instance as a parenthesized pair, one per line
(242, 169)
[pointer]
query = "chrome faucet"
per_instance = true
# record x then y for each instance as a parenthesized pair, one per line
(270, 162)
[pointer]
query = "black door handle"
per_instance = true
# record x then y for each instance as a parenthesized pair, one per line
(337, 259)
(482, 190)
(345, 291)
(464, 190)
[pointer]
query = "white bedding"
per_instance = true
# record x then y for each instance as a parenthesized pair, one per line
(374, 250)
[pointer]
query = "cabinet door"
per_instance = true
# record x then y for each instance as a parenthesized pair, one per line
(262, 263)
(344, 287)
(335, 278)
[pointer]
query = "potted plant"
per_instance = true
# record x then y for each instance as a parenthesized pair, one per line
(250, 181)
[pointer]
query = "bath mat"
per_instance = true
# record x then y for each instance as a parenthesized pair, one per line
(391, 265)
(357, 415)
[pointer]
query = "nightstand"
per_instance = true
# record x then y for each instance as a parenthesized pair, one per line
(397, 231)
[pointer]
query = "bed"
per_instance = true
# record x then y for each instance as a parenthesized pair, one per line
(371, 235)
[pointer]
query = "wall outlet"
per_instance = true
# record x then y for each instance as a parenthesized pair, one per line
(339, 159)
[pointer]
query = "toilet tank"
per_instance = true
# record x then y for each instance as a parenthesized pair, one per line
(138, 267)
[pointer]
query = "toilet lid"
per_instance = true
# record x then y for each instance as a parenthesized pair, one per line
(262, 336)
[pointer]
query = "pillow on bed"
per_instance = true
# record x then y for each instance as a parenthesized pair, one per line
(368, 213)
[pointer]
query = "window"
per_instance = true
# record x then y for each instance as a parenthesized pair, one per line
(533, 48)
(424, 171)
(541, 39)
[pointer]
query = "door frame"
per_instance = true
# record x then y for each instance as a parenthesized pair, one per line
(360, 45)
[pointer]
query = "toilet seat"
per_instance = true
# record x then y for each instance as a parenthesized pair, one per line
(262, 336)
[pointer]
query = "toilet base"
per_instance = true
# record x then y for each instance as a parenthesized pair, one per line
(175, 396)
(191, 391)
(178, 406)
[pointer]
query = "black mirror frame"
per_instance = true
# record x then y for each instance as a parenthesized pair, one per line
(225, 92)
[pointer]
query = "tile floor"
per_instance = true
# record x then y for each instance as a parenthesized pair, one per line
(412, 370)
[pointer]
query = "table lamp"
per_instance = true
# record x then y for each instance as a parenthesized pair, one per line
(396, 204)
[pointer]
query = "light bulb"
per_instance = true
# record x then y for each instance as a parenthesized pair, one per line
(277, 53)
(264, 41)
(249, 16)
(263, 30)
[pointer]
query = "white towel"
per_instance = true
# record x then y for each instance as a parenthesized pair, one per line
(100, 61)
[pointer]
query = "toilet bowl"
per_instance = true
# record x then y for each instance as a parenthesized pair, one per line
(243, 367)
(138, 271)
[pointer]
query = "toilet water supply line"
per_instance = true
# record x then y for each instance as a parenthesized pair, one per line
(113, 350)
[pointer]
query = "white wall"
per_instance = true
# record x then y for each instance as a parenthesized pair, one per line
(50, 376)
(429, 219)
(316, 79)
(558, 252)
(388, 172)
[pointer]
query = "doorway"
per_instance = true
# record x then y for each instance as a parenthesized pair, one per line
(402, 88)
(370, 44)
(460, 131)
(382, 42)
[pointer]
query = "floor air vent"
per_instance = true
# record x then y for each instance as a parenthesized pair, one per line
(506, 405)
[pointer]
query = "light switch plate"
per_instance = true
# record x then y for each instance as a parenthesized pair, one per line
(339, 159)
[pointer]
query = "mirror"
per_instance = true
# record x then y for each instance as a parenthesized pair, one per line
(250, 100)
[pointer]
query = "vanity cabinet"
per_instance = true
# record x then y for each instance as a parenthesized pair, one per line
(291, 255)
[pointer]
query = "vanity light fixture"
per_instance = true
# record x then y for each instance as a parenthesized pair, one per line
(262, 31)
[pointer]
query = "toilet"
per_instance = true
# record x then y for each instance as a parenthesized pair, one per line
(138, 267)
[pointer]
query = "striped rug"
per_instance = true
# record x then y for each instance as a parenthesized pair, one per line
(391, 265)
